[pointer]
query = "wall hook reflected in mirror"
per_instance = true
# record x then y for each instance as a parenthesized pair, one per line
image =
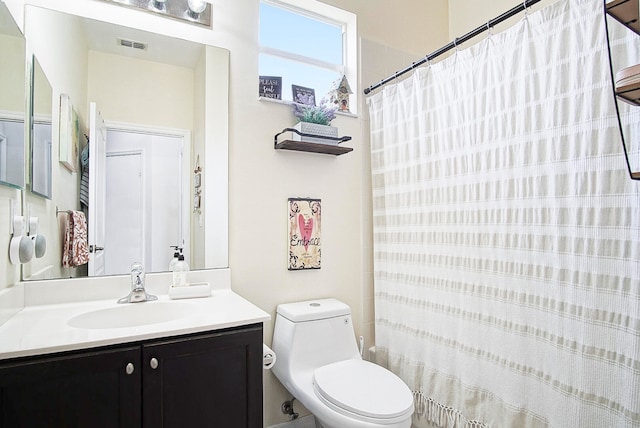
(197, 187)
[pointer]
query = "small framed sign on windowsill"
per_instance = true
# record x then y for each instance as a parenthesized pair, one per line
(270, 87)
(303, 95)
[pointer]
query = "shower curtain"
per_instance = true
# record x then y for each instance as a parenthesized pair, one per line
(506, 230)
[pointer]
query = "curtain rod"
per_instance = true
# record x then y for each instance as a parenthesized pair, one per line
(471, 34)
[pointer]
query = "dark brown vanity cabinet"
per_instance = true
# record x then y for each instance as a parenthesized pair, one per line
(83, 389)
(210, 379)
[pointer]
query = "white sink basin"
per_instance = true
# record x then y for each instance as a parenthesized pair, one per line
(128, 315)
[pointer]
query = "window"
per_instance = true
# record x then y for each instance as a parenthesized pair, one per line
(311, 47)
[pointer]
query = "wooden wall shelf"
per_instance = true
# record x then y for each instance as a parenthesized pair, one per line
(629, 93)
(303, 146)
(332, 148)
(627, 13)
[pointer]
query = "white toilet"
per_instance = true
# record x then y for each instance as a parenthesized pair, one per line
(320, 365)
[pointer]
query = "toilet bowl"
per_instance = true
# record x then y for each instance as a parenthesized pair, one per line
(320, 365)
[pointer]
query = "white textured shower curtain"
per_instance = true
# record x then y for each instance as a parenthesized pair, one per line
(506, 231)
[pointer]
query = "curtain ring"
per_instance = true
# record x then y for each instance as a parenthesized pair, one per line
(455, 43)
(489, 28)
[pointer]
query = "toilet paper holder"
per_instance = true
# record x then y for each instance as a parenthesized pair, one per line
(268, 357)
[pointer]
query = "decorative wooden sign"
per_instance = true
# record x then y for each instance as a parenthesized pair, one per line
(304, 233)
(302, 95)
(270, 87)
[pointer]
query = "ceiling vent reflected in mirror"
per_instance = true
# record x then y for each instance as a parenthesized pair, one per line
(192, 11)
(131, 44)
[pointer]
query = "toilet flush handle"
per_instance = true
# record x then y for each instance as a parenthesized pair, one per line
(361, 345)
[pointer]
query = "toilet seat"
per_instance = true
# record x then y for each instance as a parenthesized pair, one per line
(364, 390)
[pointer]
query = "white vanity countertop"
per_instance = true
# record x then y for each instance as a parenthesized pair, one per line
(45, 328)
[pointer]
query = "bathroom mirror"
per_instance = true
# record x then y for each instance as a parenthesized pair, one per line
(145, 85)
(12, 102)
(41, 136)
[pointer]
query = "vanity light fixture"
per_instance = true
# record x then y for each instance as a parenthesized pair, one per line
(192, 11)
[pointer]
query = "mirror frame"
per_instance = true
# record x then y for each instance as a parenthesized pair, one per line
(29, 137)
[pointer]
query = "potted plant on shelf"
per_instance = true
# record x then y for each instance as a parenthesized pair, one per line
(314, 120)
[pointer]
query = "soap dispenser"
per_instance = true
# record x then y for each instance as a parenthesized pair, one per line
(180, 272)
(174, 260)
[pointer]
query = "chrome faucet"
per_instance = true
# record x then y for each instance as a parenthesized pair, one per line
(138, 293)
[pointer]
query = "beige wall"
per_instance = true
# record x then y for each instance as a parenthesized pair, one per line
(466, 15)
(12, 72)
(12, 101)
(413, 26)
(261, 179)
(62, 56)
(156, 94)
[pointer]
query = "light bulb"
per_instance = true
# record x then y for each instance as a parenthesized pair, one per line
(158, 5)
(197, 6)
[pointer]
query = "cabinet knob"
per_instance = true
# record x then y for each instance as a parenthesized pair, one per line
(153, 363)
(130, 368)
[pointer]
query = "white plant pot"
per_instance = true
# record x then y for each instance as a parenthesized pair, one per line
(319, 130)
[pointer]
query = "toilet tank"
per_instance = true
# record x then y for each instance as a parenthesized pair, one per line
(312, 334)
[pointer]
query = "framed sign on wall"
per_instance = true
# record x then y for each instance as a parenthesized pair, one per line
(304, 233)
(69, 134)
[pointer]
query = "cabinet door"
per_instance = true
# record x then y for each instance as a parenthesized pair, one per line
(87, 389)
(211, 380)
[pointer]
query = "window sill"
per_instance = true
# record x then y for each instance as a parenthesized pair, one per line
(288, 103)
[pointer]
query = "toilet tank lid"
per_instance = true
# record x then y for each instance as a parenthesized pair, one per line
(311, 310)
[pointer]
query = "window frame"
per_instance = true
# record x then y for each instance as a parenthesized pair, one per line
(332, 16)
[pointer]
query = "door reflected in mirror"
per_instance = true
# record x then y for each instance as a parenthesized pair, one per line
(146, 197)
